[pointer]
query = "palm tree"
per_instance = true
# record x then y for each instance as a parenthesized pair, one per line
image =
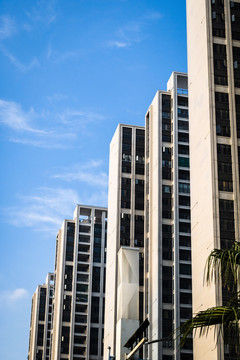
(224, 264)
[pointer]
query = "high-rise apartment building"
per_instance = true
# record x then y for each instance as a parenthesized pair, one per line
(167, 247)
(151, 171)
(41, 319)
(78, 319)
(214, 104)
(125, 230)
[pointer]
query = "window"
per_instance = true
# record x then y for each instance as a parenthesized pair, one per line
(166, 189)
(126, 193)
(167, 296)
(70, 241)
(139, 231)
(42, 304)
(183, 149)
(220, 64)
(126, 149)
(184, 188)
(184, 227)
(40, 335)
(125, 230)
(139, 194)
(185, 255)
(93, 341)
(183, 175)
(185, 298)
(140, 151)
(97, 246)
(183, 161)
(95, 309)
(184, 214)
(96, 279)
(185, 269)
(185, 284)
(183, 125)
(184, 241)
(182, 101)
(183, 113)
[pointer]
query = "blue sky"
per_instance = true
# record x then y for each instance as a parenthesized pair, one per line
(71, 70)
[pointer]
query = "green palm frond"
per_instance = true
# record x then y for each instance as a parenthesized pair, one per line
(224, 263)
(226, 316)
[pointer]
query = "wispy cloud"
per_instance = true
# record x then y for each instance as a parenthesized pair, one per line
(44, 12)
(118, 44)
(66, 55)
(55, 125)
(153, 15)
(89, 173)
(127, 35)
(133, 32)
(45, 210)
(13, 295)
(21, 66)
(15, 118)
(7, 27)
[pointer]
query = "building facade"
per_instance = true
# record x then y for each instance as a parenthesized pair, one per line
(167, 248)
(125, 227)
(78, 321)
(149, 210)
(214, 98)
(41, 320)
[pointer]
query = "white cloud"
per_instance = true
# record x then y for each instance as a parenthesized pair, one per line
(153, 15)
(13, 295)
(89, 173)
(15, 118)
(43, 12)
(56, 126)
(45, 210)
(7, 27)
(127, 35)
(79, 117)
(17, 63)
(133, 32)
(118, 44)
(61, 57)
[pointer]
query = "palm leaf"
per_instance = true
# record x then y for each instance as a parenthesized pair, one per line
(226, 316)
(224, 263)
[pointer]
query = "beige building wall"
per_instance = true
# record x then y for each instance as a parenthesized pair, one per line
(40, 325)
(79, 287)
(203, 144)
(33, 329)
(114, 223)
(112, 244)
(128, 298)
(167, 130)
(153, 225)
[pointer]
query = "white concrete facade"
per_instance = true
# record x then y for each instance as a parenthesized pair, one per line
(78, 324)
(213, 71)
(41, 319)
(126, 164)
(167, 209)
